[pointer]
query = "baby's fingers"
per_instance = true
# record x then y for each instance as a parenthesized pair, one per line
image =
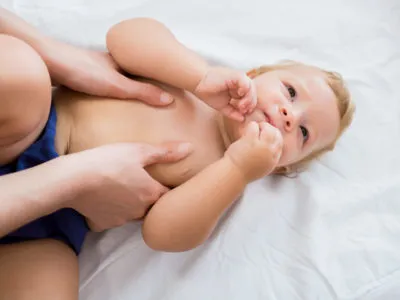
(248, 95)
(270, 134)
(245, 105)
(239, 84)
(243, 83)
(252, 97)
(252, 131)
(232, 113)
(273, 138)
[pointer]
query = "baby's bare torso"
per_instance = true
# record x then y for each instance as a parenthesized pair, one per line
(85, 122)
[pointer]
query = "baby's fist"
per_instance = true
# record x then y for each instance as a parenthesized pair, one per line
(229, 91)
(258, 151)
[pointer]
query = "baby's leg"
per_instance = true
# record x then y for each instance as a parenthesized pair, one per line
(41, 269)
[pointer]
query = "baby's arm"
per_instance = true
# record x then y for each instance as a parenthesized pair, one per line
(184, 217)
(147, 48)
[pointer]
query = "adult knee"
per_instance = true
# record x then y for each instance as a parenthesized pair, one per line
(25, 85)
(22, 65)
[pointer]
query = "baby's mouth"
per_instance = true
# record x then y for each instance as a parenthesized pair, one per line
(267, 118)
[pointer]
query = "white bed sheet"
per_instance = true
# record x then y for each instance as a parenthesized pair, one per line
(331, 233)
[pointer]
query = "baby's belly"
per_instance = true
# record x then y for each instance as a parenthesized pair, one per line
(95, 122)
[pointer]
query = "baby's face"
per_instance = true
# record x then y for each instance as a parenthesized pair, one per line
(298, 102)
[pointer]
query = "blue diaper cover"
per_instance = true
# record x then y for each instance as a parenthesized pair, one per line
(66, 224)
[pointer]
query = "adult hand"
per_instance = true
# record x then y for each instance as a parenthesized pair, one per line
(82, 70)
(96, 73)
(116, 188)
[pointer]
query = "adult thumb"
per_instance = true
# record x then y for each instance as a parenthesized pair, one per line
(168, 152)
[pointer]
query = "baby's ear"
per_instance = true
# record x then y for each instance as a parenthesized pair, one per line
(252, 73)
(289, 171)
(284, 170)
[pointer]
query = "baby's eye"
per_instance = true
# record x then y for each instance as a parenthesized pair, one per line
(292, 91)
(304, 132)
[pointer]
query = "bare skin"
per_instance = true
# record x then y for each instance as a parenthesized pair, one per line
(205, 183)
(60, 189)
(85, 122)
(45, 269)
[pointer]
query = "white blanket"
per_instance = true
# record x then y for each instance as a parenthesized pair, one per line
(333, 232)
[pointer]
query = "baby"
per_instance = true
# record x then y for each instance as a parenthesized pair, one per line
(293, 113)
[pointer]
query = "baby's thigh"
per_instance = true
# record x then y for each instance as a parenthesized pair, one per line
(41, 269)
(25, 96)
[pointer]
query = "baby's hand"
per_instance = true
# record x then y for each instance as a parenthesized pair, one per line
(228, 91)
(257, 152)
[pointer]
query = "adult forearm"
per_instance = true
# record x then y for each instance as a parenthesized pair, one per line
(184, 217)
(11, 24)
(147, 48)
(35, 192)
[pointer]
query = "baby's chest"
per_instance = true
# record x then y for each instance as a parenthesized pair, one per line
(207, 147)
(109, 122)
(176, 173)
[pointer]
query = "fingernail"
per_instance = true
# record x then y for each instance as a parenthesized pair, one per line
(166, 98)
(185, 147)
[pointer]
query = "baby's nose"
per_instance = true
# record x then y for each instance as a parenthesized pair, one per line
(287, 118)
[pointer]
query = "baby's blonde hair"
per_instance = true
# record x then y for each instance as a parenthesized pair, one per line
(346, 108)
